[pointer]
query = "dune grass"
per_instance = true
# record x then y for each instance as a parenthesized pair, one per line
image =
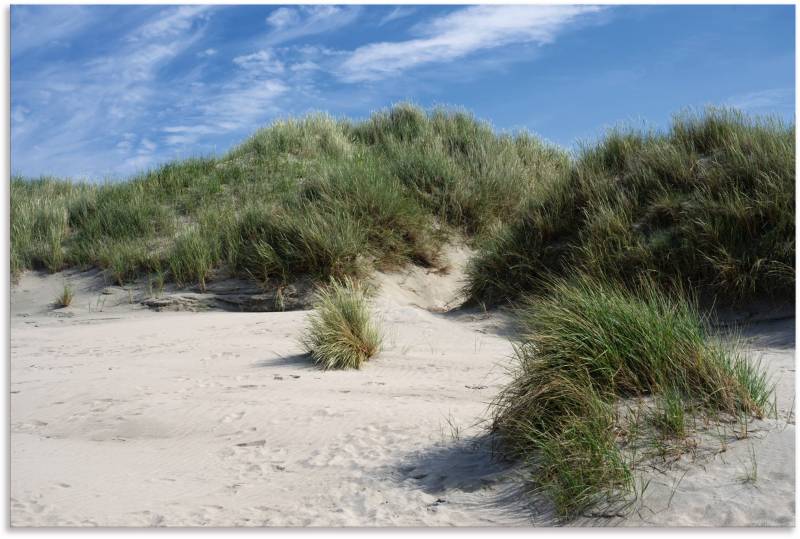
(64, 299)
(341, 334)
(708, 203)
(586, 346)
(315, 196)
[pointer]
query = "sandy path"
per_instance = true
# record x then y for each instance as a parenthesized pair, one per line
(215, 419)
(133, 418)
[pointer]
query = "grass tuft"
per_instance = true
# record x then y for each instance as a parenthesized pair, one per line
(669, 415)
(586, 346)
(65, 298)
(341, 334)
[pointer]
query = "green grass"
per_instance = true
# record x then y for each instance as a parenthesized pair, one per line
(341, 334)
(708, 204)
(64, 299)
(669, 415)
(314, 197)
(587, 345)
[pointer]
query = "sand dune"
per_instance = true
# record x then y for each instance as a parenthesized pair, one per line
(121, 416)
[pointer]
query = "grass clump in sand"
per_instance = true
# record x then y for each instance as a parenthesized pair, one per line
(64, 299)
(669, 416)
(583, 349)
(341, 334)
(709, 203)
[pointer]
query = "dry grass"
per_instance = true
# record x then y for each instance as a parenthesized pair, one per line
(341, 333)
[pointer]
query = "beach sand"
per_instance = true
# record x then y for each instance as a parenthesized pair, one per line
(123, 416)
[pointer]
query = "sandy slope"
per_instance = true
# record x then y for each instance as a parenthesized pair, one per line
(125, 417)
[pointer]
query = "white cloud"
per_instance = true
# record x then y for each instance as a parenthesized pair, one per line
(242, 103)
(193, 129)
(292, 23)
(262, 61)
(126, 142)
(149, 91)
(146, 146)
(305, 66)
(282, 17)
(764, 99)
(34, 27)
(459, 34)
(90, 105)
(137, 163)
(18, 114)
(177, 22)
(397, 13)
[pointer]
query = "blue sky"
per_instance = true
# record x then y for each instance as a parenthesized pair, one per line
(106, 91)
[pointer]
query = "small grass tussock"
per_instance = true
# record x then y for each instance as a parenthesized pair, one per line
(341, 333)
(65, 298)
(708, 203)
(670, 415)
(749, 473)
(586, 346)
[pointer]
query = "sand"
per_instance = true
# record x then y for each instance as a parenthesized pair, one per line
(122, 416)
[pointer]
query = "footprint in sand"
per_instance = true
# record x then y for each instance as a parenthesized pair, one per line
(230, 418)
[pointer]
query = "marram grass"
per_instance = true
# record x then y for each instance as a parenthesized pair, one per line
(589, 344)
(709, 203)
(315, 197)
(341, 333)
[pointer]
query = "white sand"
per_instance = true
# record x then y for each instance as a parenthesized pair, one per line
(125, 417)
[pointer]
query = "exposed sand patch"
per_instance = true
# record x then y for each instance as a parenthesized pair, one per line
(436, 290)
(128, 417)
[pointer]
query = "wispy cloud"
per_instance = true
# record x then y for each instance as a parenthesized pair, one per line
(117, 101)
(459, 34)
(290, 23)
(35, 27)
(105, 90)
(172, 24)
(399, 12)
(283, 17)
(92, 102)
(773, 98)
(263, 61)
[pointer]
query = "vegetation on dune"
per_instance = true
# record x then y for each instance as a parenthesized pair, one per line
(589, 344)
(314, 197)
(341, 334)
(709, 204)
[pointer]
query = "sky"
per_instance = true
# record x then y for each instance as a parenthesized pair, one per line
(105, 92)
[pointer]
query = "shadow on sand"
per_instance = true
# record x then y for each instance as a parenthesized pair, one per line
(775, 333)
(300, 361)
(498, 322)
(469, 472)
